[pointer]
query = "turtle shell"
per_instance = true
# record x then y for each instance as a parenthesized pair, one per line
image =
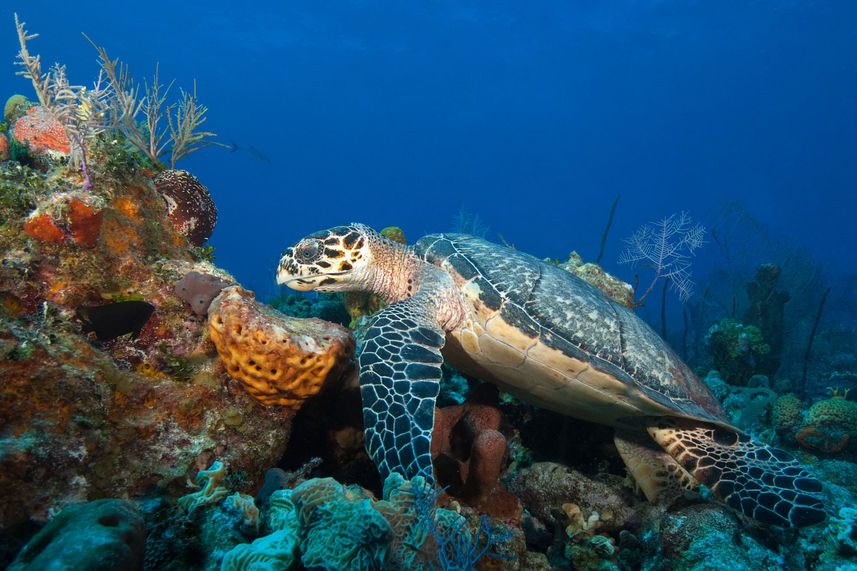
(552, 339)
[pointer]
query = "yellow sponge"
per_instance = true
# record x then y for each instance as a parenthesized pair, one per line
(280, 360)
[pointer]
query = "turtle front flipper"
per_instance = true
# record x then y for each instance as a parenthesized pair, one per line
(763, 482)
(400, 370)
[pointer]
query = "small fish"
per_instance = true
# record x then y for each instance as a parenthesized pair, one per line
(252, 150)
(115, 319)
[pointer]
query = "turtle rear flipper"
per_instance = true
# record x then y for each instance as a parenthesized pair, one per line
(399, 382)
(659, 476)
(763, 482)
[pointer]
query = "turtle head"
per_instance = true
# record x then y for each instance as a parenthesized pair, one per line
(337, 259)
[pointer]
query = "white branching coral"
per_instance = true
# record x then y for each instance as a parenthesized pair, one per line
(83, 113)
(667, 246)
(113, 104)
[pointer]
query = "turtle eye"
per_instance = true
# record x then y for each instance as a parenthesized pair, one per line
(307, 251)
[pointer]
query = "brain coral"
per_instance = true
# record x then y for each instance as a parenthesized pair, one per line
(279, 359)
(189, 205)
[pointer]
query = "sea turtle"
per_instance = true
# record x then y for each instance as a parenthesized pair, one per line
(550, 338)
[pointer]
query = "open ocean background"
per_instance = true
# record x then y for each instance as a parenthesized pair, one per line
(529, 118)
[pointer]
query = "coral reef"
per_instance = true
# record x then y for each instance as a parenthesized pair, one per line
(210, 489)
(766, 311)
(111, 386)
(5, 148)
(829, 426)
(40, 133)
(746, 406)
(736, 350)
(577, 509)
(15, 107)
(280, 360)
(102, 535)
(326, 525)
(327, 306)
(786, 413)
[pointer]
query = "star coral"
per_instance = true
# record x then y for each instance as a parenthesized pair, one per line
(279, 360)
(829, 426)
(786, 412)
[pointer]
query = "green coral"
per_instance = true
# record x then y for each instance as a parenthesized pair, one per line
(203, 253)
(786, 413)
(211, 491)
(117, 159)
(327, 525)
(20, 187)
(736, 349)
(15, 107)
(340, 528)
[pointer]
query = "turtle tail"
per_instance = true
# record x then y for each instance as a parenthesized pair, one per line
(763, 482)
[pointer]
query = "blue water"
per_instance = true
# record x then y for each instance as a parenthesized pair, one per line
(533, 117)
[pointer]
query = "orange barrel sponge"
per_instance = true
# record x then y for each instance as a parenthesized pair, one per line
(279, 359)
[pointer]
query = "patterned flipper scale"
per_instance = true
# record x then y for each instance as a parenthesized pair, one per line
(659, 476)
(763, 482)
(400, 371)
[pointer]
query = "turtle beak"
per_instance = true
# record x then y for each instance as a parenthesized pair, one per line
(299, 283)
(309, 282)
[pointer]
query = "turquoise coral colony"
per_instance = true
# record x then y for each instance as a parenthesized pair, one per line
(156, 415)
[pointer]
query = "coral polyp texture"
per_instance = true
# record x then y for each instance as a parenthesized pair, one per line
(829, 426)
(41, 132)
(279, 359)
(189, 205)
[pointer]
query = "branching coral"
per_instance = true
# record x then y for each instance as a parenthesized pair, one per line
(83, 113)
(113, 104)
(667, 246)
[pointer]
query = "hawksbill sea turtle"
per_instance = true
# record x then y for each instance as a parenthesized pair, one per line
(548, 337)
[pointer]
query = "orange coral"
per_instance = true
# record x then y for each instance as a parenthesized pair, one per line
(811, 437)
(128, 208)
(5, 149)
(39, 130)
(279, 359)
(44, 228)
(120, 235)
(84, 223)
